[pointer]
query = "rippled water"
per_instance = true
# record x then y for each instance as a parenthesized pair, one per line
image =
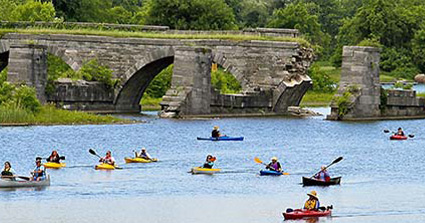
(383, 180)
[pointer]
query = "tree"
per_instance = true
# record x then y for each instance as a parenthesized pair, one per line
(253, 13)
(190, 14)
(33, 11)
(300, 16)
(418, 48)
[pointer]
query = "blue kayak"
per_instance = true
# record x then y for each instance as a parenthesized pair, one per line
(270, 173)
(222, 138)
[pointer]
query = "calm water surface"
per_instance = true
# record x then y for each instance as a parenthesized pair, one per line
(383, 180)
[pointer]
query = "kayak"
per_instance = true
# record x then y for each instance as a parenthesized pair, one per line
(200, 170)
(314, 182)
(51, 165)
(222, 138)
(104, 166)
(6, 183)
(139, 160)
(299, 214)
(270, 173)
(397, 137)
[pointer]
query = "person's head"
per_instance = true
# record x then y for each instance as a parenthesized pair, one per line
(108, 153)
(313, 195)
(274, 159)
(400, 129)
(323, 167)
(38, 161)
(143, 149)
(54, 153)
(7, 165)
(216, 128)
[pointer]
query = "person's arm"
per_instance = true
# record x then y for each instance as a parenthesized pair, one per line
(279, 167)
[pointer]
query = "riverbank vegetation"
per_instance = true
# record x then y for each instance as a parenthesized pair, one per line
(20, 106)
(395, 26)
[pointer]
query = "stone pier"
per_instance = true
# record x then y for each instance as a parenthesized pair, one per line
(28, 65)
(190, 91)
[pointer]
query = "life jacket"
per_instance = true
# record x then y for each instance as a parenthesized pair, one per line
(311, 204)
(275, 166)
(215, 134)
(6, 172)
(324, 176)
(36, 175)
(208, 165)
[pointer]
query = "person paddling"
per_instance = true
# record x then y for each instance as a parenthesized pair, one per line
(54, 157)
(274, 165)
(216, 132)
(323, 175)
(108, 159)
(312, 204)
(143, 154)
(209, 162)
(8, 172)
(399, 132)
(39, 172)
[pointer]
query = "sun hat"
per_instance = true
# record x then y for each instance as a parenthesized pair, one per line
(313, 193)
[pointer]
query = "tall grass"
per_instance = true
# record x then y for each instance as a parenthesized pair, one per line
(49, 115)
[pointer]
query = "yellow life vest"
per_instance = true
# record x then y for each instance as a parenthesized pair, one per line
(310, 204)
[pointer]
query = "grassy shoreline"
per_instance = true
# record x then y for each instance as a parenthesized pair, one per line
(49, 115)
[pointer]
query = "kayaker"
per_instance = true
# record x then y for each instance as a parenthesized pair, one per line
(323, 175)
(54, 157)
(215, 132)
(209, 162)
(143, 154)
(39, 172)
(8, 172)
(313, 201)
(274, 165)
(400, 132)
(108, 159)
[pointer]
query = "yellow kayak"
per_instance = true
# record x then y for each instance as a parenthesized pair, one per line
(139, 160)
(200, 170)
(51, 165)
(105, 166)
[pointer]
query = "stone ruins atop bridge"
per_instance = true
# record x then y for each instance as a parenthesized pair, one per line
(272, 74)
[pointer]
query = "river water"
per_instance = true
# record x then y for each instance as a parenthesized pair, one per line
(383, 180)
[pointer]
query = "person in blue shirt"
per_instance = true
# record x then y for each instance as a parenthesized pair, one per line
(39, 172)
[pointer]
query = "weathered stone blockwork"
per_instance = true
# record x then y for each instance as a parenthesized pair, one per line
(28, 65)
(279, 67)
(360, 69)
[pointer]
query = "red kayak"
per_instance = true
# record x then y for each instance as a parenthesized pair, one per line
(299, 214)
(397, 137)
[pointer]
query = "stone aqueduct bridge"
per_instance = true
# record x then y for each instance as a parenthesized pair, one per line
(272, 74)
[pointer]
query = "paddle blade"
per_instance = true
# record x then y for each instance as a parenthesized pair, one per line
(62, 157)
(337, 160)
(411, 136)
(285, 174)
(257, 160)
(92, 152)
(386, 130)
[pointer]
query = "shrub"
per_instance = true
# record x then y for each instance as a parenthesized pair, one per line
(321, 80)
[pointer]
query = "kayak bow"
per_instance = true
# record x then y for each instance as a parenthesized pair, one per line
(139, 160)
(222, 138)
(398, 137)
(104, 166)
(200, 170)
(314, 182)
(52, 165)
(299, 214)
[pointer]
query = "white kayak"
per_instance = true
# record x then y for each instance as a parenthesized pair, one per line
(7, 183)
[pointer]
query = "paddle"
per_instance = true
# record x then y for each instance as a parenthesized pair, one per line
(388, 131)
(335, 161)
(91, 151)
(60, 157)
(21, 177)
(257, 160)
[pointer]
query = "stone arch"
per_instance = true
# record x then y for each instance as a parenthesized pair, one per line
(138, 77)
(4, 54)
(221, 60)
(60, 52)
